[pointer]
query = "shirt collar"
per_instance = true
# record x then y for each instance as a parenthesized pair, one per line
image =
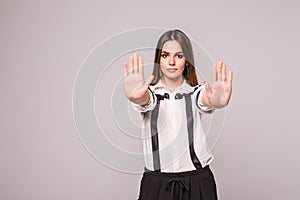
(183, 88)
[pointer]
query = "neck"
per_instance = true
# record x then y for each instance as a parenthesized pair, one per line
(172, 84)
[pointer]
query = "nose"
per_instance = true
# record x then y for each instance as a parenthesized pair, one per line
(172, 61)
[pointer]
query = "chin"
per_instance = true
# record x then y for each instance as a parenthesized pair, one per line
(173, 76)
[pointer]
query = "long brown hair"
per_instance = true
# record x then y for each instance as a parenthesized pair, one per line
(189, 72)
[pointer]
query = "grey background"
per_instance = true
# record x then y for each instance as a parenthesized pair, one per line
(43, 44)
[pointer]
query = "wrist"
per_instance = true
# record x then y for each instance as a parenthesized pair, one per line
(147, 100)
(204, 101)
(143, 101)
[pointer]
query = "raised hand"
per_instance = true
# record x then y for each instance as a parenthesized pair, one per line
(218, 94)
(136, 89)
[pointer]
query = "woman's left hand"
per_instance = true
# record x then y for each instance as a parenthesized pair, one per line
(217, 95)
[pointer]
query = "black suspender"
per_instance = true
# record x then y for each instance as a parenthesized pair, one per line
(190, 127)
(154, 138)
(154, 131)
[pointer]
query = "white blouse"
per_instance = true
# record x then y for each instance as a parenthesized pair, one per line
(172, 131)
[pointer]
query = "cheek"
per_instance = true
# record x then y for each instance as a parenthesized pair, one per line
(181, 65)
(162, 66)
(181, 70)
(163, 62)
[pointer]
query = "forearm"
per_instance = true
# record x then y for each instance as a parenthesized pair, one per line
(146, 103)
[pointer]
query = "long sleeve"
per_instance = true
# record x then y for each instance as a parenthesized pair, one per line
(199, 95)
(149, 106)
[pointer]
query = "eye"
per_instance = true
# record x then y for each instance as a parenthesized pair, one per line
(180, 55)
(164, 55)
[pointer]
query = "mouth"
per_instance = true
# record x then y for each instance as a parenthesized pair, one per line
(172, 69)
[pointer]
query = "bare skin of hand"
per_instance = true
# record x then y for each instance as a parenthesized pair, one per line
(135, 88)
(217, 95)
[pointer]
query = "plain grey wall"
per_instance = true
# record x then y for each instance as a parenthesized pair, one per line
(43, 44)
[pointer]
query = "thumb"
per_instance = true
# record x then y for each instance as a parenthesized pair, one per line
(208, 90)
(149, 80)
(207, 87)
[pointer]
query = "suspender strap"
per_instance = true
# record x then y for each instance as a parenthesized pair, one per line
(154, 138)
(190, 127)
(154, 131)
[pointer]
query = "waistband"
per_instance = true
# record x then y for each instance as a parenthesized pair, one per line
(203, 170)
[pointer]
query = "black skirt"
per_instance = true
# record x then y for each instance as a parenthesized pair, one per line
(190, 185)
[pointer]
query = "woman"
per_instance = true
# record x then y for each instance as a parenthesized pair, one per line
(171, 102)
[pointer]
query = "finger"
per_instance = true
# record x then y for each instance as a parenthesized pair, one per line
(149, 80)
(125, 68)
(214, 73)
(207, 88)
(224, 72)
(230, 76)
(135, 63)
(208, 92)
(141, 66)
(219, 71)
(131, 64)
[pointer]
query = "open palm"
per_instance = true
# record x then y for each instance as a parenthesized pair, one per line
(218, 94)
(135, 86)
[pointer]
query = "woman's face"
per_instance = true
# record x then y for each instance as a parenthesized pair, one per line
(172, 61)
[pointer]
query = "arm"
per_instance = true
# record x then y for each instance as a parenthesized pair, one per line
(149, 106)
(217, 95)
(199, 98)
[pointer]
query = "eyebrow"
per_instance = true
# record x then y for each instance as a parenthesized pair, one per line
(169, 52)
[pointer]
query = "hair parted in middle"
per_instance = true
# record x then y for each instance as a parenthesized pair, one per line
(189, 72)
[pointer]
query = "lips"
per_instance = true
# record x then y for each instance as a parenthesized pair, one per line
(172, 69)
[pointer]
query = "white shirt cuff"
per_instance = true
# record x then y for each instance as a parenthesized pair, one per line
(149, 106)
(203, 108)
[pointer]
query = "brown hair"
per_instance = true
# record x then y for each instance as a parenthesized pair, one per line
(189, 72)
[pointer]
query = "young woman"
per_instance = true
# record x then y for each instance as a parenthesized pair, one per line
(171, 103)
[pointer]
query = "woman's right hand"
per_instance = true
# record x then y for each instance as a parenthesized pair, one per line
(136, 89)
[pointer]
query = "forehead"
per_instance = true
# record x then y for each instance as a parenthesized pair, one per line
(172, 46)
